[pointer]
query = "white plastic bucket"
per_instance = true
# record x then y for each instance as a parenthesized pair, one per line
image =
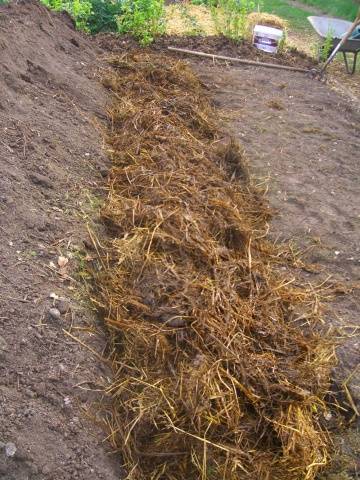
(267, 38)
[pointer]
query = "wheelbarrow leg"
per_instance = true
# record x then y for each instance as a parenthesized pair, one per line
(349, 70)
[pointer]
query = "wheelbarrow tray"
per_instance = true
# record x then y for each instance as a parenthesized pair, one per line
(324, 25)
(337, 28)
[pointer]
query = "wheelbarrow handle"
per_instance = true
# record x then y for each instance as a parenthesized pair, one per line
(340, 44)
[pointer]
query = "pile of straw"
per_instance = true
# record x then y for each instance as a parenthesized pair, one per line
(266, 19)
(214, 376)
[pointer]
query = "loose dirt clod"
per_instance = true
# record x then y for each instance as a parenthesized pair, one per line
(276, 104)
(234, 388)
(54, 313)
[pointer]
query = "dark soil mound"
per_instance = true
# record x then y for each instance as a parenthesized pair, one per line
(50, 161)
(224, 46)
(217, 45)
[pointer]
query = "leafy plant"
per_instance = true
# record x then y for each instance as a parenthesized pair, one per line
(54, 4)
(104, 15)
(283, 41)
(326, 48)
(90, 15)
(80, 10)
(145, 19)
(230, 17)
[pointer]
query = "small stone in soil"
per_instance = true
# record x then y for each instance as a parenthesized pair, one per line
(63, 305)
(10, 449)
(54, 313)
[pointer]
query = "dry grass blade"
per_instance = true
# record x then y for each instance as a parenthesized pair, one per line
(214, 378)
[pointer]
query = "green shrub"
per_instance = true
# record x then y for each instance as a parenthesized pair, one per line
(54, 4)
(144, 19)
(80, 10)
(104, 15)
(230, 17)
(90, 15)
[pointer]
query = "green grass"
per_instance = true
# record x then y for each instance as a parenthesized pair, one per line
(297, 17)
(338, 8)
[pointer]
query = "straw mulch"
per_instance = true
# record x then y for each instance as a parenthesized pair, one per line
(188, 19)
(215, 378)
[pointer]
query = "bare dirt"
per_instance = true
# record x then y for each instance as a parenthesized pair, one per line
(297, 131)
(303, 138)
(52, 163)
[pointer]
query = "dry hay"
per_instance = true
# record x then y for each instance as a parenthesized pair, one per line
(214, 376)
(266, 19)
(188, 19)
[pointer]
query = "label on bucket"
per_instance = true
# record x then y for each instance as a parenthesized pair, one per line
(267, 38)
(266, 44)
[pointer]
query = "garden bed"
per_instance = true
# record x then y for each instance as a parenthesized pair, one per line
(192, 285)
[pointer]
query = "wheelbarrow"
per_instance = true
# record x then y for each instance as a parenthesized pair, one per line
(337, 29)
